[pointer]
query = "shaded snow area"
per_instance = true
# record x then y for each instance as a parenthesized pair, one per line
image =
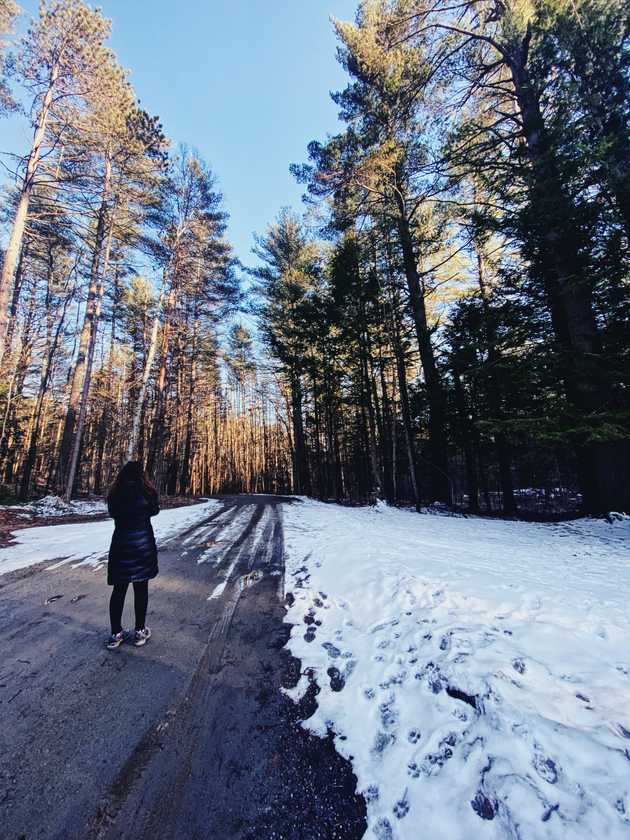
(56, 506)
(476, 673)
(87, 543)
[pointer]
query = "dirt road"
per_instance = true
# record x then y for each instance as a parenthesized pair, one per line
(188, 737)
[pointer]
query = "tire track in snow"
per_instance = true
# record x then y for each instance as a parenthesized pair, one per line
(243, 547)
(219, 540)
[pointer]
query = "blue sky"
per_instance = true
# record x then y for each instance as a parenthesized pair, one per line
(244, 82)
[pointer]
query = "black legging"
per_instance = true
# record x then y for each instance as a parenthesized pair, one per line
(117, 602)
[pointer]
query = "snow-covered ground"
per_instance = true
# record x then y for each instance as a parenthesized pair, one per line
(88, 542)
(476, 672)
(55, 506)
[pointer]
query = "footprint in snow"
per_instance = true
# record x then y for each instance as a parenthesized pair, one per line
(382, 741)
(309, 636)
(435, 684)
(413, 770)
(483, 807)
(433, 762)
(371, 793)
(518, 665)
(389, 717)
(546, 768)
(351, 664)
(396, 679)
(401, 808)
(383, 829)
(337, 680)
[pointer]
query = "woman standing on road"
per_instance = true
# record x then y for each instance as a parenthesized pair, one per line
(132, 501)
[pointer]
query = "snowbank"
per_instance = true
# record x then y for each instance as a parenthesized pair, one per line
(476, 673)
(88, 542)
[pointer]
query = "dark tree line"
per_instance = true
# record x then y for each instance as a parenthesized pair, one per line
(458, 328)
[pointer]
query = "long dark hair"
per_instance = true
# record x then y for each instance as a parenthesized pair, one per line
(132, 477)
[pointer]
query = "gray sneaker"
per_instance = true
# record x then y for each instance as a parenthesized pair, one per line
(115, 640)
(141, 637)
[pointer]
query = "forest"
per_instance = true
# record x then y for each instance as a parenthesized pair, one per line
(445, 320)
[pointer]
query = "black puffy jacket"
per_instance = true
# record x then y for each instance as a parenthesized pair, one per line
(133, 553)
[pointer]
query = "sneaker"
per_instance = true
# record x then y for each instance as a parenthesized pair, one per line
(115, 640)
(141, 637)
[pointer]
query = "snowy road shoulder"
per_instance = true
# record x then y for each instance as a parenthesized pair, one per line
(89, 541)
(476, 672)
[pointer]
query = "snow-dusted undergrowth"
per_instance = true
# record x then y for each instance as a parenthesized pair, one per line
(88, 542)
(476, 672)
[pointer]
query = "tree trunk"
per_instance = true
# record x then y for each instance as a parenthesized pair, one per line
(92, 317)
(95, 289)
(184, 481)
(15, 296)
(85, 394)
(472, 480)
(29, 461)
(440, 483)
(132, 447)
(503, 448)
(407, 425)
(21, 212)
(301, 478)
(557, 246)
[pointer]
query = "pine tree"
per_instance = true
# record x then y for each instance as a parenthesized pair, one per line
(57, 64)
(378, 168)
(288, 277)
(8, 14)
